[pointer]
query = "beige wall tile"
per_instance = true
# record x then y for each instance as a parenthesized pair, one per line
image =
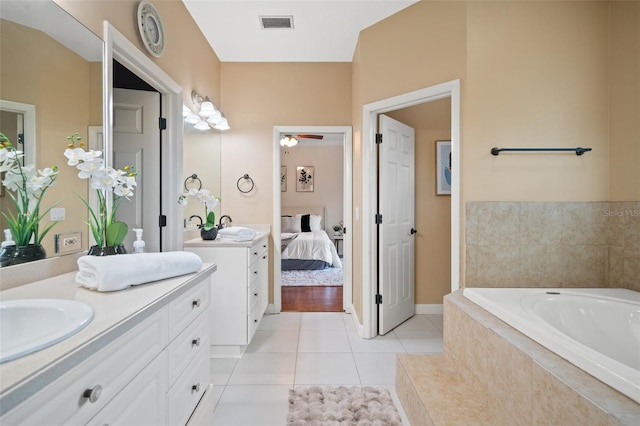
(541, 223)
(584, 223)
(555, 403)
(498, 223)
(585, 266)
(497, 266)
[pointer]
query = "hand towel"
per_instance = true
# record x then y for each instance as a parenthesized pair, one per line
(111, 273)
(237, 233)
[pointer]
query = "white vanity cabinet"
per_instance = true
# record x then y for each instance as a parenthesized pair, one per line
(240, 292)
(153, 372)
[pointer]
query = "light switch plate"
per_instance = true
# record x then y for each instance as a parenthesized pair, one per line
(69, 242)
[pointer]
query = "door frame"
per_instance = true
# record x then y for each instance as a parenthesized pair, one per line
(347, 152)
(449, 89)
(117, 46)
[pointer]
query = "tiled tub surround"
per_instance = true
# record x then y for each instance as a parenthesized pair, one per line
(494, 375)
(553, 244)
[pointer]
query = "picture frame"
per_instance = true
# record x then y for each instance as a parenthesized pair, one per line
(443, 167)
(283, 178)
(305, 176)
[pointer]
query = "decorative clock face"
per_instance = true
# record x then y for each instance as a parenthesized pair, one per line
(150, 28)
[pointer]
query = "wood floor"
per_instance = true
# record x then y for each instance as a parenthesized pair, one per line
(312, 298)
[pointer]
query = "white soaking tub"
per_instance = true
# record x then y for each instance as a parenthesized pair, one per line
(597, 330)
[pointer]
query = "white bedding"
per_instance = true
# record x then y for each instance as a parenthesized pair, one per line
(314, 245)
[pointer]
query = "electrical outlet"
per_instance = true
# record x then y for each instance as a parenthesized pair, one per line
(69, 242)
(56, 214)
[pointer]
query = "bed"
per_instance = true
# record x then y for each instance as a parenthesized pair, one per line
(305, 245)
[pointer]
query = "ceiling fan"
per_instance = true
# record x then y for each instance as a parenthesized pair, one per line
(292, 140)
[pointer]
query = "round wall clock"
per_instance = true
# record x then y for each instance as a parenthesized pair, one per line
(151, 29)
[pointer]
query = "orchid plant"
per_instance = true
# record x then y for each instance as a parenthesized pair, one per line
(26, 187)
(108, 182)
(210, 202)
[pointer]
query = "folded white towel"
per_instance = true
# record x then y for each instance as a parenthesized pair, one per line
(111, 273)
(237, 233)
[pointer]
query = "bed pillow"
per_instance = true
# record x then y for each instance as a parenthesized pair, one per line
(315, 222)
(290, 224)
(310, 222)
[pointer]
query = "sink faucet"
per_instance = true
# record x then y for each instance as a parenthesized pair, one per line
(195, 215)
(226, 222)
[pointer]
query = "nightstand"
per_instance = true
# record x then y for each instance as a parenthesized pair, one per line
(337, 239)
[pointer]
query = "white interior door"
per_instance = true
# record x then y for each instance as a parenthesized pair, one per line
(395, 234)
(136, 142)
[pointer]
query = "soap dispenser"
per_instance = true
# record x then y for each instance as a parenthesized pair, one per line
(138, 244)
(8, 247)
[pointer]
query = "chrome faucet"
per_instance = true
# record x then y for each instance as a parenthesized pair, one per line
(226, 222)
(195, 215)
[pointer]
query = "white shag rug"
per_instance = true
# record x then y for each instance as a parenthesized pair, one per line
(328, 277)
(342, 406)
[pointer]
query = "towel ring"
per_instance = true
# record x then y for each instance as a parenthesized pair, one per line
(194, 177)
(246, 177)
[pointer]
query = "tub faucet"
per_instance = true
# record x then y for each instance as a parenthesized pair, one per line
(226, 222)
(195, 215)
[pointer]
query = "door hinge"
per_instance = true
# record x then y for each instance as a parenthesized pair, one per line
(378, 218)
(378, 138)
(162, 221)
(378, 299)
(162, 123)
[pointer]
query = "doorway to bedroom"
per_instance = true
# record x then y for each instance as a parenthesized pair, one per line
(310, 269)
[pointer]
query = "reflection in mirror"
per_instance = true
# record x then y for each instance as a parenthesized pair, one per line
(207, 167)
(51, 63)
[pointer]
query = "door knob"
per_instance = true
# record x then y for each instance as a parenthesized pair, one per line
(413, 231)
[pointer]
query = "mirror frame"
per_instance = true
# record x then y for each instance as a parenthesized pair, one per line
(117, 46)
(28, 111)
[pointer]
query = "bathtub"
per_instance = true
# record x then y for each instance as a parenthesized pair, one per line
(597, 330)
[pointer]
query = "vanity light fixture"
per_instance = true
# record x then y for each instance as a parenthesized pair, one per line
(211, 116)
(288, 141)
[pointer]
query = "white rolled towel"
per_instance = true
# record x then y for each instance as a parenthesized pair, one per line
(237, 233)
(111, 273)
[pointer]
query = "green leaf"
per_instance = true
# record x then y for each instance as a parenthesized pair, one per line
(116, 232)
(211, 221)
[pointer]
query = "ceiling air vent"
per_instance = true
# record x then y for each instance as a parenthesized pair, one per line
(276, 22)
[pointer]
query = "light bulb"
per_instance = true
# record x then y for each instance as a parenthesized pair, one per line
(202, 125)
(206, 108)
(223, 124)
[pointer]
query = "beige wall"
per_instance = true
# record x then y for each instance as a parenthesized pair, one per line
(327, 184)
(532, 74)
(432, 122)
(259, 96)
(39, 71)
(624, 101)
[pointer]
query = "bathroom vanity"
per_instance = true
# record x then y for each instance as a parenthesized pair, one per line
(142, 360)
(240, 292)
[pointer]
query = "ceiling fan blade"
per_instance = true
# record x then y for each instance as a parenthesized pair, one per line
(310, 136)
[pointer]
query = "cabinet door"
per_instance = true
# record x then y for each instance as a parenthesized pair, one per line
(142, 402)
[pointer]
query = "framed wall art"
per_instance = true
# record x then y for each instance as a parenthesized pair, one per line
(443, 167)
(304, 178)
(283, 178)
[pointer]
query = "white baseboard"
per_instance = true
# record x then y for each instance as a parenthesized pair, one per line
(356, 321)
(429, 309)
(271, 309)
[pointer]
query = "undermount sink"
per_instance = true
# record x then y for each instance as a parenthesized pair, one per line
(29, 325)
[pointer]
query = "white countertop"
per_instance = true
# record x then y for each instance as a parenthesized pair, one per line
(114, 313)
(221, 242)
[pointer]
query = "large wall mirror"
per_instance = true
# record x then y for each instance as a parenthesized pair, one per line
(50, 87)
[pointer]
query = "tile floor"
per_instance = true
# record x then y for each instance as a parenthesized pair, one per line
(311, 348)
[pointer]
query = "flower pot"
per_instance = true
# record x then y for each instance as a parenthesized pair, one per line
(211, 234)
(28, 253)
(6, 255)
(106, 251)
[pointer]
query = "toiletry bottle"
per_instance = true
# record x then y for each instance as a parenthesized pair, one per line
(7, 239)
(138, 244)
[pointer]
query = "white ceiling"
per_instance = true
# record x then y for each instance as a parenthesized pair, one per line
(324, 30)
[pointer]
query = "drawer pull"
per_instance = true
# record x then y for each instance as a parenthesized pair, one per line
(255, 294)
(255, 320)
(264, 246)
(93, 394)
(195, 303)
(255, 253)
(255, 272)
(195, 388)
(195, 342)
(264, 257)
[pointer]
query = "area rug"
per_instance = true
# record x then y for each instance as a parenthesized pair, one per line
(341, 405)
(329, 276)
